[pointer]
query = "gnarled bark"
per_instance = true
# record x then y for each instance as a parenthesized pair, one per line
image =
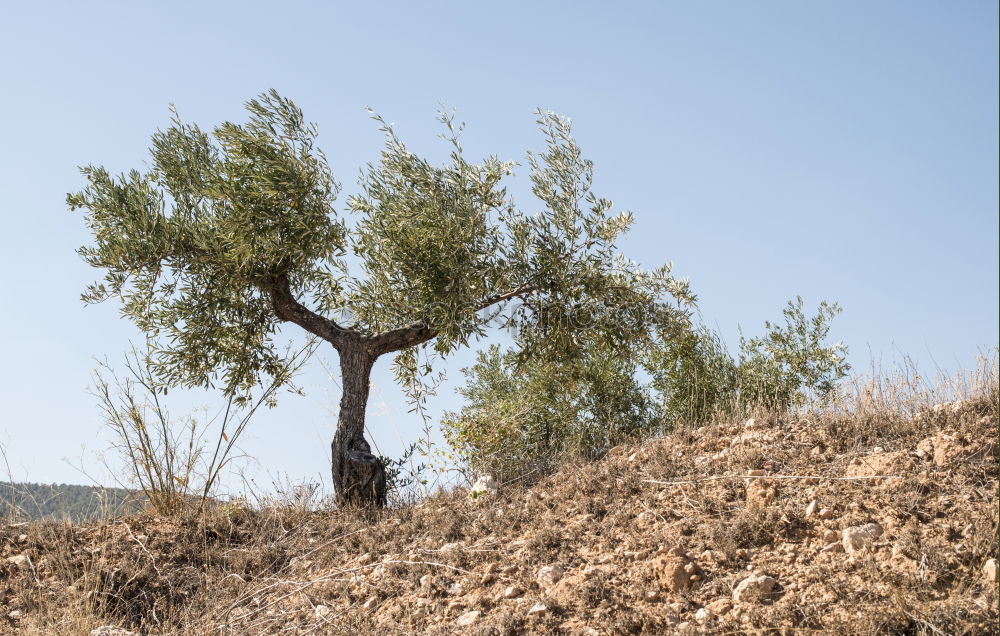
(358, 475)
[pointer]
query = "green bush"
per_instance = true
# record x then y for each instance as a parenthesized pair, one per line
(696, 377)
(522, 415)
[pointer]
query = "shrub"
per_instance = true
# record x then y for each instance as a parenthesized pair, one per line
(521, 415)
(697, 377)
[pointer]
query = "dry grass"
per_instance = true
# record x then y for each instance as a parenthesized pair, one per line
(273, 569)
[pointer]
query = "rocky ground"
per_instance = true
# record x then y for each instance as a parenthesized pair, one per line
(862, 522)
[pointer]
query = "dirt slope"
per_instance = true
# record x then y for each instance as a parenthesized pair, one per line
(867, 523)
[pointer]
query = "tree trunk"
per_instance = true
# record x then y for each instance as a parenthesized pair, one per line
(358, 475)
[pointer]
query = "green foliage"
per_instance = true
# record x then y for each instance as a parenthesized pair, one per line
(202, 247)
(522, 417)
(522, 414)
(693, 374)
(189, 246)
(792, 363)
(696, 377)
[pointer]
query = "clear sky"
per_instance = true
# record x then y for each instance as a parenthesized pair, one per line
(838, 150)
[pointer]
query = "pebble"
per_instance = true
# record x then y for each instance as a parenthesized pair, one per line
(512, 591)
(754, 588)
(549, 575)
(538, 609)
(859, 537)
(990, 570)
(468, 618)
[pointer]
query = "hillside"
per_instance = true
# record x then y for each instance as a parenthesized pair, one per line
(873, 521)
(57, 502)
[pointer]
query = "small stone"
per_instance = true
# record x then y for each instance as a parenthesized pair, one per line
(990, 570)
(16, 614)
(483, 487)
(754, 588)
(549, 575)
(811, 508)
(720, 606)
(22, 538)
(455, 589)
(370, 603)
(651, 596)
(825, 513)
(468, 618)
(859, 537)
(538, 609)
(323, 610)
(512, 591)
(686, 628)
(704, 615)
(488, 578)
(19, 560)
(426, 581)
(829, 536)
(111, 630)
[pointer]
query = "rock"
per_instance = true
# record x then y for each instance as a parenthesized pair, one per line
(859, 537)
(990, 570)
(512, 591)
(426, 582)
(111, 630)
(549, 575)
(811, 508)
(16, 615)
(484, 486)
(651, 596)
(323, 611)
(453, 547)
(951, 446)
(676, 570)
(19, 560)
(754, 588)
(468, 618)
(538, 609)
(488, 578)
(22, 538)
(829, 536)
(704, 616)
(720, 606)
(825, 513)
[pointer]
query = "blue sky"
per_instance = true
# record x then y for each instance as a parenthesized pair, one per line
(838, 150)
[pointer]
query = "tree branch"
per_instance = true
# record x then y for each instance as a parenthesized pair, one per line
(287, 308)
(420, 332)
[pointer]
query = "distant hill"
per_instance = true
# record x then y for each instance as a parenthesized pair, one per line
(34, 502)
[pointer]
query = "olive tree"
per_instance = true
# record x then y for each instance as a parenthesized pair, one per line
(228, 235)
